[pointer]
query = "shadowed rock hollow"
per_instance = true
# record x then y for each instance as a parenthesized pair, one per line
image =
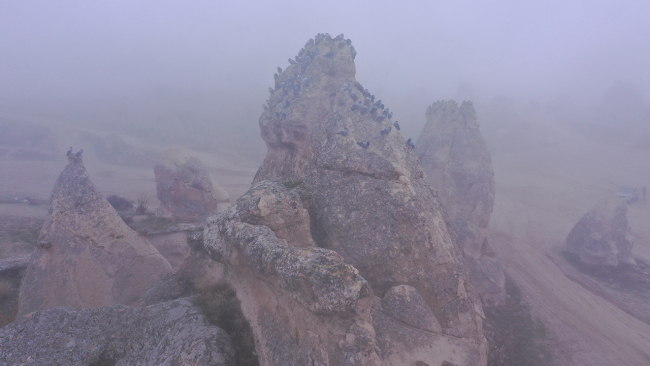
(87, 256)
(368, 208)
(457, 163)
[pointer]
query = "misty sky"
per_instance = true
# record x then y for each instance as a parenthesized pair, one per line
(410, 53)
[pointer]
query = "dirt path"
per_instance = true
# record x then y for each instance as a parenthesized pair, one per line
(540, 195)
(588, 330)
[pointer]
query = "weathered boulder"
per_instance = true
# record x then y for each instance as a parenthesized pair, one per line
(602, 236)
(170, 333)
(366, 196)
(304, 304)
(87, 256)
(456, 162)
(184, 187)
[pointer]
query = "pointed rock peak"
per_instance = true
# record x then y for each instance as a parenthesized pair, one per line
(318, 114)
(73, 188)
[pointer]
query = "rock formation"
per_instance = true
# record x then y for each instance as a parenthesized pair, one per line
(87, 256)
(381, 234)
(304, 304)
(602, 236)
(456, 162)
(184, 187)
(171, 333)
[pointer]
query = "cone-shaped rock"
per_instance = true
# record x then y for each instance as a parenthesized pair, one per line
(368, 201)
(457, 163)
(87, 256)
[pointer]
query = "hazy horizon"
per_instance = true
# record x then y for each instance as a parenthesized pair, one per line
(211, 64)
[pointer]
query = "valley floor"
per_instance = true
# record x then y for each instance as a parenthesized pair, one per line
(540, 194)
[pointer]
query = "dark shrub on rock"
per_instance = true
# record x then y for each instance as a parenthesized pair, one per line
(120, 203)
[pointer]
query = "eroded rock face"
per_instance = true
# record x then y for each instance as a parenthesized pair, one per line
(456, 162)
(367, 199)
(87, 256)
(304, 303)
(171, 333)
(184, 187)
(602, 236)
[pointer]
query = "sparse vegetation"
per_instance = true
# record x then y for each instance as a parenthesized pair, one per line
(222, 308)
(142, 203)
(514, 337)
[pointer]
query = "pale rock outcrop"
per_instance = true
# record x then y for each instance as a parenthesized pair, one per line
(184, 187)
(367, 201)
(602, 236)
(304, 304)
(456, 162)
(87, 256)
(170, 333)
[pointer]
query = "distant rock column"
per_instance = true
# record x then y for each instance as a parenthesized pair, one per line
(456, 162)
(184, 187)
(87, 256)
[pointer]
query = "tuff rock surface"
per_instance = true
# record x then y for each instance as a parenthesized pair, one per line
(184, 187)
(602, 236)
(170, 333)
(377, 224)
(456, 162)
(305, 304)
(87, 256)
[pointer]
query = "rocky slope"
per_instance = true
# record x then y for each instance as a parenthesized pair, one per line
(171, 333)
(87, 256)
(369, 209)
(457, 163)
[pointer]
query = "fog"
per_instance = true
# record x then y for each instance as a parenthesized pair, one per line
(206, 66)
(561, 90)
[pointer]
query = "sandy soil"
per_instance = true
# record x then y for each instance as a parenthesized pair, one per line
(541, 193)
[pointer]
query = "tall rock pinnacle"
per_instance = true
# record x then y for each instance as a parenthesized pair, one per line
(87, 256)
(368, 201)
(457, 163)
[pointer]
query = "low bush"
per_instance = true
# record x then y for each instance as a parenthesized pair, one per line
(514, 337)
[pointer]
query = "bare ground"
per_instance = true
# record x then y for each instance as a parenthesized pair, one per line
(541, 193)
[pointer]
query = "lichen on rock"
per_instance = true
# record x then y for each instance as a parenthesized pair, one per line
(170, 333)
